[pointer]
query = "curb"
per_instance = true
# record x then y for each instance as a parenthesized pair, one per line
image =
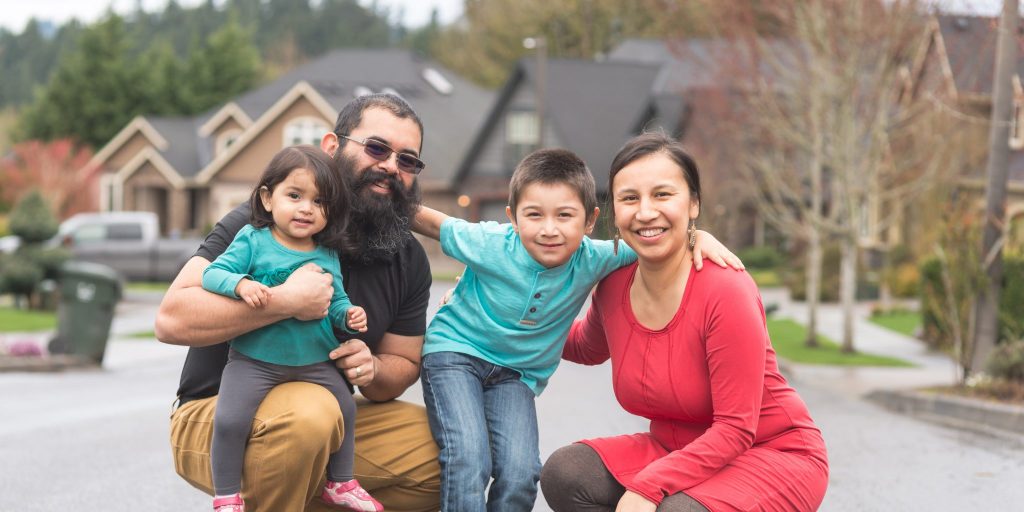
(54, 363)
(960, 412)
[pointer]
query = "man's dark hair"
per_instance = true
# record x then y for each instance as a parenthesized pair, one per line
(553, 166)
(352, 113)
(332, 188)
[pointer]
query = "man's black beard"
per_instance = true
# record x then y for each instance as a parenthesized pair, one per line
(379, 223)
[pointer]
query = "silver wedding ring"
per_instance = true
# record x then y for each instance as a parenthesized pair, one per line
(359, 370)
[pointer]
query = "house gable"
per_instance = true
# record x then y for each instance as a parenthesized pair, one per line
(229, 114)
(301, 100)
(139, 133)
(149, 166)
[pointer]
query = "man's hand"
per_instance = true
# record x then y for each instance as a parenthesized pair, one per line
(709, 247)
(256, 295)
(356, 319)
(633, 502)
(306, 293)
(354, 359)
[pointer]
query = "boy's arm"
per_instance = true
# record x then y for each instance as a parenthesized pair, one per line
(428, 222)
(710, 248)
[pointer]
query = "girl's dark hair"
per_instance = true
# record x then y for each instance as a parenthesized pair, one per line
(331, 185)
(651, 143)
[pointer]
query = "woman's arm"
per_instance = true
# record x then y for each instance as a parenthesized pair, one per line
(587, 343)
(736, 342)
(428, 222)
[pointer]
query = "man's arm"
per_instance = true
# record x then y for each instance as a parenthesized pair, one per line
(192, 316)
(428, 222)
(386, 375)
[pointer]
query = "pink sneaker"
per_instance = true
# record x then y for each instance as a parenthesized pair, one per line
(350, 496)
(232, 503)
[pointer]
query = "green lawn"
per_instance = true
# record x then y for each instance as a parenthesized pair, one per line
(146, 286)
(788, 339)
(903, 322)
(19, 320)
(765, 278)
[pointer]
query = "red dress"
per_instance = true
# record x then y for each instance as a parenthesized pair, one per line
(726, 428)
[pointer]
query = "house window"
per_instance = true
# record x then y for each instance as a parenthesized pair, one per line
(1017, 126)
(305, 130)
(226, 139)
(521, 136)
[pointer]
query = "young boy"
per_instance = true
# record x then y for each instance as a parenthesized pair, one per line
(491, 349)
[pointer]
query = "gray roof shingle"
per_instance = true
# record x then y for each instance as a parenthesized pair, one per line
(596, 106)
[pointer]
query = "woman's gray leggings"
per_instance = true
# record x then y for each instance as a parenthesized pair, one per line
(574, 479)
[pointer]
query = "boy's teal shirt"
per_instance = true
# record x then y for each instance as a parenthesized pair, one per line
(255, 254)
(508, 309)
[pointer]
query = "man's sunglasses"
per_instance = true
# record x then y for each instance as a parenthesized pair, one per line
(381, 152)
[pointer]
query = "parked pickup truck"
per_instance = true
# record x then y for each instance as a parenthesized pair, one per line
(128, 242)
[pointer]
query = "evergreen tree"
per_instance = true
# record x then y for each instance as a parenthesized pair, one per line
(167, 87)
(94, 92)
(227, 65)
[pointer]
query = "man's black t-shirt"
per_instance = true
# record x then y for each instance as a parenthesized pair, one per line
(394, 293)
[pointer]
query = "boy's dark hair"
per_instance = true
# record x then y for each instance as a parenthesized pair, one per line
(552, 166)
(331, 186)
(352, 113)
(652, 143)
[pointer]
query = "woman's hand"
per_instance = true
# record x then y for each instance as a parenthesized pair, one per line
(709, 247)
(633, 502)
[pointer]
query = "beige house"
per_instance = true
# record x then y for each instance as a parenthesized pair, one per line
(191, 171)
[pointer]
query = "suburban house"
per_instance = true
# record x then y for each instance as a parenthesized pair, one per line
(593, 107)
(590, 108)
(191, 171)
(955, 70)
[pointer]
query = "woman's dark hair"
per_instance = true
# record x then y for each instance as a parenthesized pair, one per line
(330, 184)
(652, 143)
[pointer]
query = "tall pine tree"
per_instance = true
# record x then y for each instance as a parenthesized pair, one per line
(94, 92)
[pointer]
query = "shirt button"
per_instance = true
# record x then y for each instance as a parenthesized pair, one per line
(533, 310)
(536, 295)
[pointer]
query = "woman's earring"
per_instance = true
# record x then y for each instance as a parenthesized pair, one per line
(615, 243)
(693, 233)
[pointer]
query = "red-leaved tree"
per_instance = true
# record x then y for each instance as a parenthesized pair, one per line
(59, 169)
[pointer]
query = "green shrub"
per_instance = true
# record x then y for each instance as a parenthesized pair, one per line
(760, 257)
(904, 280)
(934, 310)
(20, 277)
(1007, 361)
(32, 219)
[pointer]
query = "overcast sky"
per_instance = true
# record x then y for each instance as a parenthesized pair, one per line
(15, 13)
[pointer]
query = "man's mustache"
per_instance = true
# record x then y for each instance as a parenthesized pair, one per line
(371, 176)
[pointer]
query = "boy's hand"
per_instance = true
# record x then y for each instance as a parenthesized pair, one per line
(357, 319)
(256, 295)
(709, 247)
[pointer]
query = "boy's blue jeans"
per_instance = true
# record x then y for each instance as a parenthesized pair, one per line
(484, 421)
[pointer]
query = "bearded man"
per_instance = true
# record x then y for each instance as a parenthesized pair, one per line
(387, 273)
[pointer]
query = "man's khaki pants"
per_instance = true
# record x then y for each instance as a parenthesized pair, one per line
(296, 428)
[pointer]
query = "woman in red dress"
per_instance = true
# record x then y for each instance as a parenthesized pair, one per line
(689, 351)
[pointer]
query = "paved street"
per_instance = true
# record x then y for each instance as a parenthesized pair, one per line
(96, 441)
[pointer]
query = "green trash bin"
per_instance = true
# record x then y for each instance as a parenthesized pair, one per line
(88, 294)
